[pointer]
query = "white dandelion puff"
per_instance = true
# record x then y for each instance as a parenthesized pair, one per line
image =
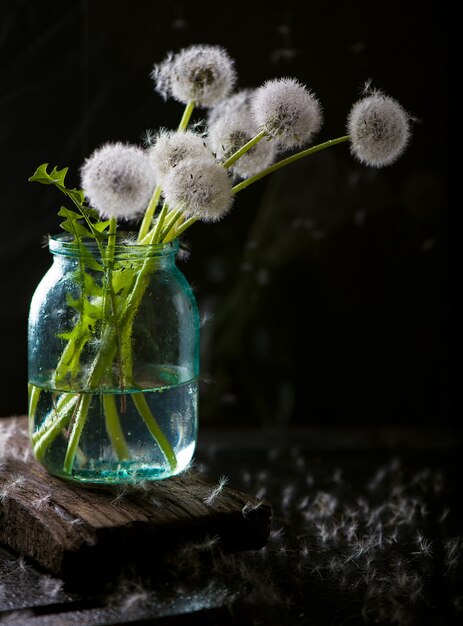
(201, 188)
(118, 180)
(237, 103)
(288, 111)
(231, 132)
(172, 147)
(201, 73)
(379, 128)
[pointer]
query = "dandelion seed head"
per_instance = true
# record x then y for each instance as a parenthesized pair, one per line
(118, 180)
(287, 111)
(161, 76)
(237, 104)
(201, 187)
(200, 73)
(172, 147)
(231, 132)
(379, 128)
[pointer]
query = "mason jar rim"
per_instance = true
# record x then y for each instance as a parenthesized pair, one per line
(125, 247)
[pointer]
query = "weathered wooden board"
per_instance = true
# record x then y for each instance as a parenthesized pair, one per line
(69, 529)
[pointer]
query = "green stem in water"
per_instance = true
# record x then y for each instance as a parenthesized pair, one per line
(294, 157)
(247, 146)
(77, 427)
(102, 361)
(113, 427)
(62, 416)
(152, 425)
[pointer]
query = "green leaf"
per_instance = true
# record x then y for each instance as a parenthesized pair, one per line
(56, 177)
(72, 215)
(41, 175)
(76, 228)
(81, 223)
(101, 226)
(77, 195)
(90, 311)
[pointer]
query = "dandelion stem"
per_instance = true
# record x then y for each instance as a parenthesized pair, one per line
(147, 218)
(169, 223)
(53, 425)
(152, 425)
(186, 115)
(294, 157)
(79, 422)
(247, 146)
(154, 238)
(178, 230)
(113, 427)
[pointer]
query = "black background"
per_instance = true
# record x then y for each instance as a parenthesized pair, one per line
(328, 286)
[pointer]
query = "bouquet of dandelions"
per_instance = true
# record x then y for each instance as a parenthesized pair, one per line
(177, 178)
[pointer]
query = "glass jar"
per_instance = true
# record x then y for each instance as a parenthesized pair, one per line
(113, 356)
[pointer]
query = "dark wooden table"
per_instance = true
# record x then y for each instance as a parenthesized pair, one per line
(367, 528)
